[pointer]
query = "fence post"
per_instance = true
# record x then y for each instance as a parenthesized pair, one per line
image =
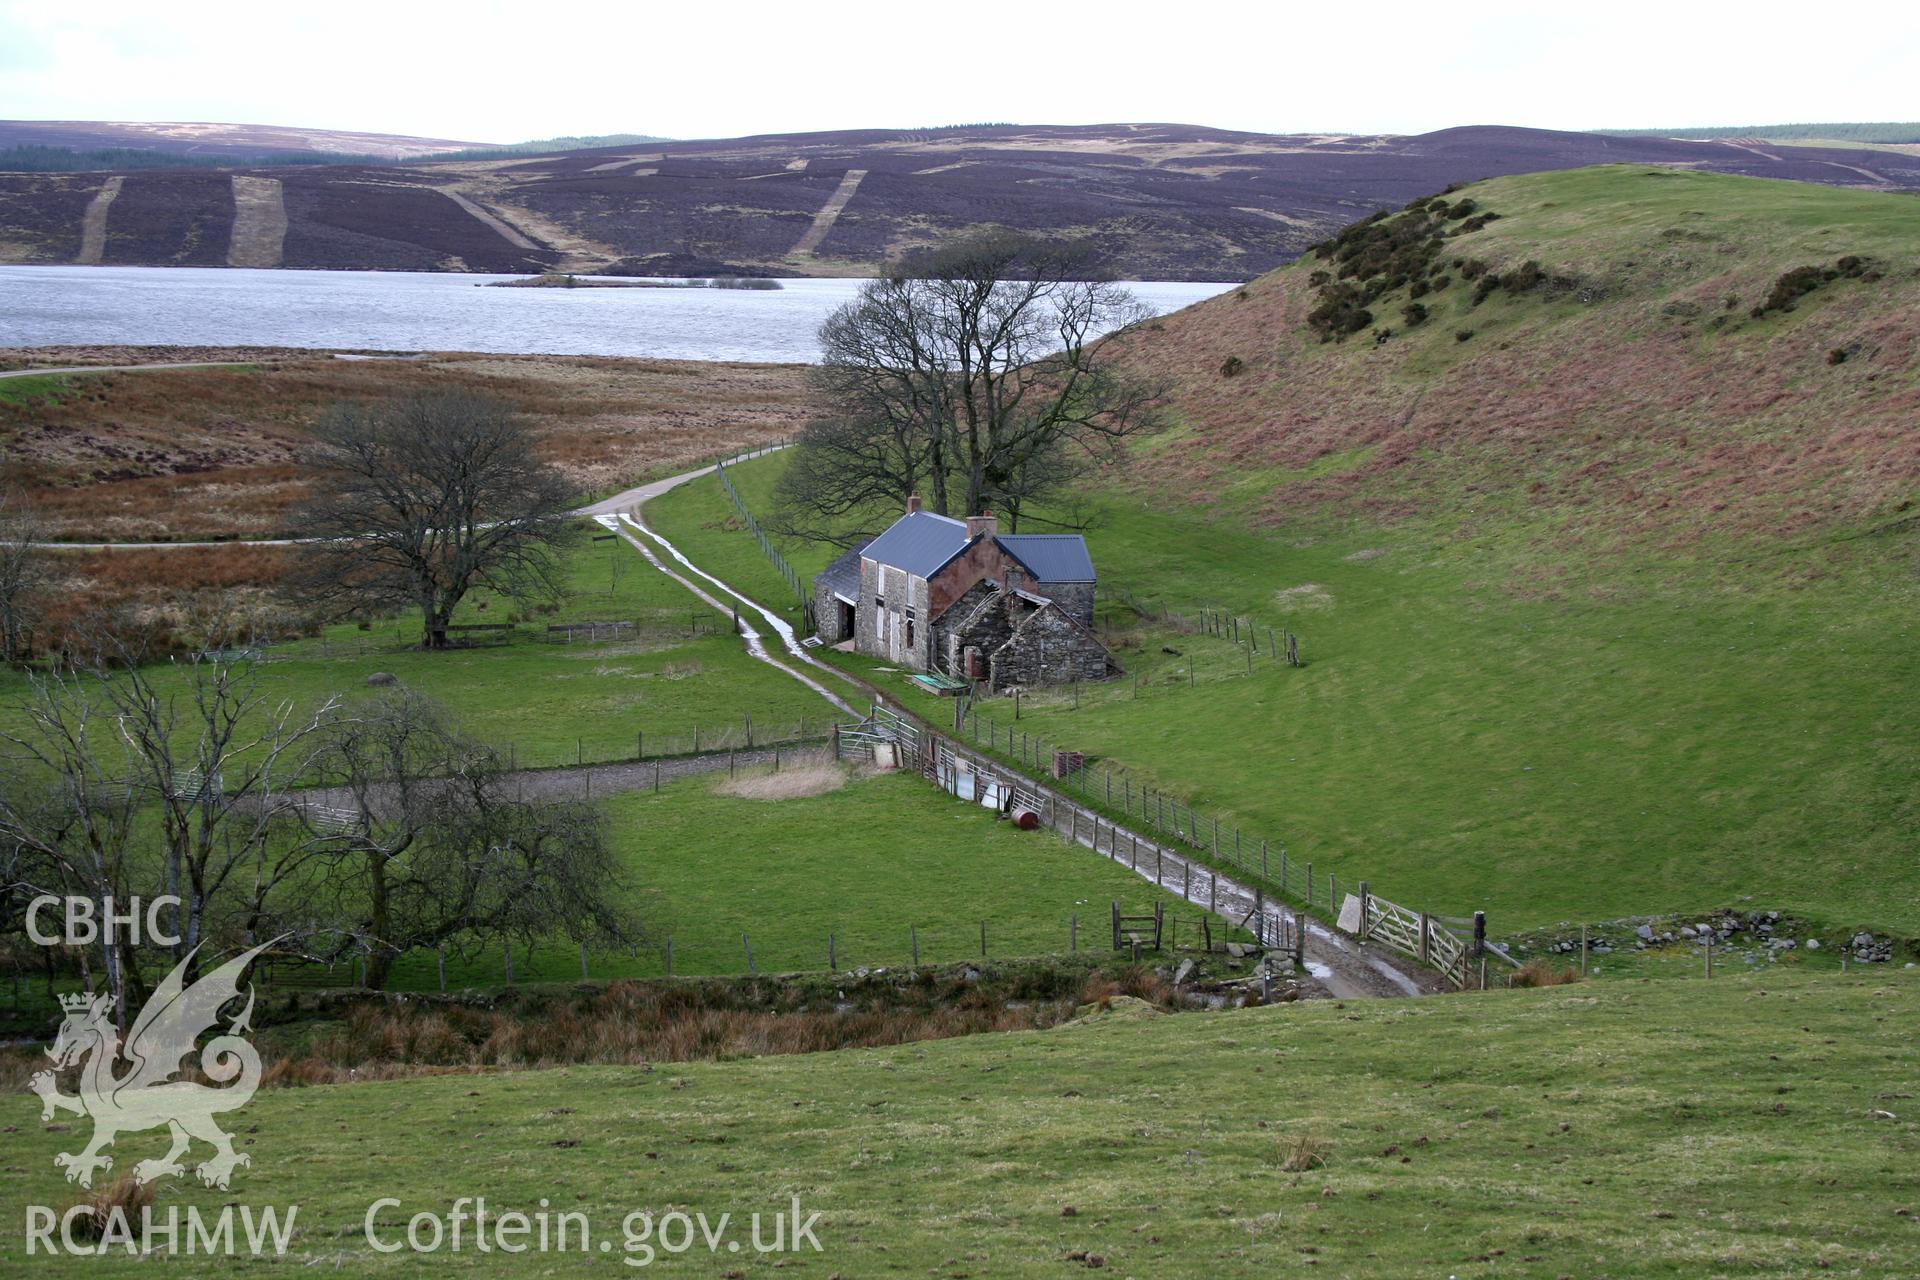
(1480, 935)
(1363, 918)
(747, 942)
(1186, 884)
(639, 745)
(1309, 884)
(983, 939)
(1426, 938)
(669, 955)
(833, 957)
(584, 975)
(440, 955)
(1073, 933)
(913, 933)
(1583, 951)
(506, 949)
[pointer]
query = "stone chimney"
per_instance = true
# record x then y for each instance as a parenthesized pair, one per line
(913, 503)
(1015, 578)
(981, 526)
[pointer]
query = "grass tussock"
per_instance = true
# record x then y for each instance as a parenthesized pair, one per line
(123, 1198)
(811, 777)
(1304, 1152)
(1539, 973)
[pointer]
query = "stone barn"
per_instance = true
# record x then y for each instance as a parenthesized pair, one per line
(959, 598)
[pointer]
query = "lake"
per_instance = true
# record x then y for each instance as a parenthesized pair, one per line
(429, 311)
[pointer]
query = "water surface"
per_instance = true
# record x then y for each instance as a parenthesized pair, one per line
(428, 311)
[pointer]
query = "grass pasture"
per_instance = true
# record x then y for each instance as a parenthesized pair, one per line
(549, 702)
(873, 862)
(1468, 733)
(1762, 1125)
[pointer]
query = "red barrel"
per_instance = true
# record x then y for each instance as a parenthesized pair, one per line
(1025, 819)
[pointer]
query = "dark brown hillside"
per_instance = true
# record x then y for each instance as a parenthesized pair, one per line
(1618, 389)
(1166, 201)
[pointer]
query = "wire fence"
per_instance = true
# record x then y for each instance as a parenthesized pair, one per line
(667, 742)
(710, 949)
(796, 583)
(1277, 644)
(1257, 861)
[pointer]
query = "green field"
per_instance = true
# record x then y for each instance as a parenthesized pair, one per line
(1643, 738)
(548, 702)
(881, 861)
(1756, 1126)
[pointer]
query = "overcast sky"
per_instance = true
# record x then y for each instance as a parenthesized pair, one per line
(492, 72)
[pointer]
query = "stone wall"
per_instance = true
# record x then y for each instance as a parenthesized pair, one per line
(1047, 647)
(826, 613)
(885, 636)
(1074, 597)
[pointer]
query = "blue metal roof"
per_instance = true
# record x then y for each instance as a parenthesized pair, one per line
(919, 542)
(1051, 557)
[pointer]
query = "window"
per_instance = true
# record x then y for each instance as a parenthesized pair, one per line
(909, 628)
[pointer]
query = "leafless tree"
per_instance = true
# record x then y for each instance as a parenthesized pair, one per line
(124, 780)
(443, 850)
(24, 575)
(976, 377)
(421, 499)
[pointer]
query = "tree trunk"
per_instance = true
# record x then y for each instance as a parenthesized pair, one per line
(379, 924)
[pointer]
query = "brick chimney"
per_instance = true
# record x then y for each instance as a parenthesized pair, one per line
(913, 503)
(981, 526)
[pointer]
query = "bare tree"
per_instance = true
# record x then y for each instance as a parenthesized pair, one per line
(24, 575)
(975, 376)
(419, 500)
(443, 850)
(125, 780)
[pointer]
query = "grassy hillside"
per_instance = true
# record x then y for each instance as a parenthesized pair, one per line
(1607, 609)
(1751, 1126)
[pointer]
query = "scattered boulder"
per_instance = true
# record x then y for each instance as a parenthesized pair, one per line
(382, 679)
(1180, 974)
(1645, 932)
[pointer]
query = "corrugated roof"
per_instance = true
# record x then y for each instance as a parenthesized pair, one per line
(843, 575)
(919, 543)
(1051, 557)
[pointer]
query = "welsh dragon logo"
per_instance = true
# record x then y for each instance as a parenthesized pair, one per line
(146, 1096)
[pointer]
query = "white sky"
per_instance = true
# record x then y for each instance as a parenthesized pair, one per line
(494, 72)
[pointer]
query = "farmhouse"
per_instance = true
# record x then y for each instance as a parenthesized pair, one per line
(961, 599)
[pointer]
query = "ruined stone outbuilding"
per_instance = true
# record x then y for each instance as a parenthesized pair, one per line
(958, 598)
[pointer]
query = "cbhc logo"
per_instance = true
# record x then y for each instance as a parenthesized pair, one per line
(86, 921)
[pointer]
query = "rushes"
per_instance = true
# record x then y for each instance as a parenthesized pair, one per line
(1306, 1151)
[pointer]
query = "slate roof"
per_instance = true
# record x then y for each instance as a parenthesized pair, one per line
(842, 577)
(919, 543)
(1051, 557)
